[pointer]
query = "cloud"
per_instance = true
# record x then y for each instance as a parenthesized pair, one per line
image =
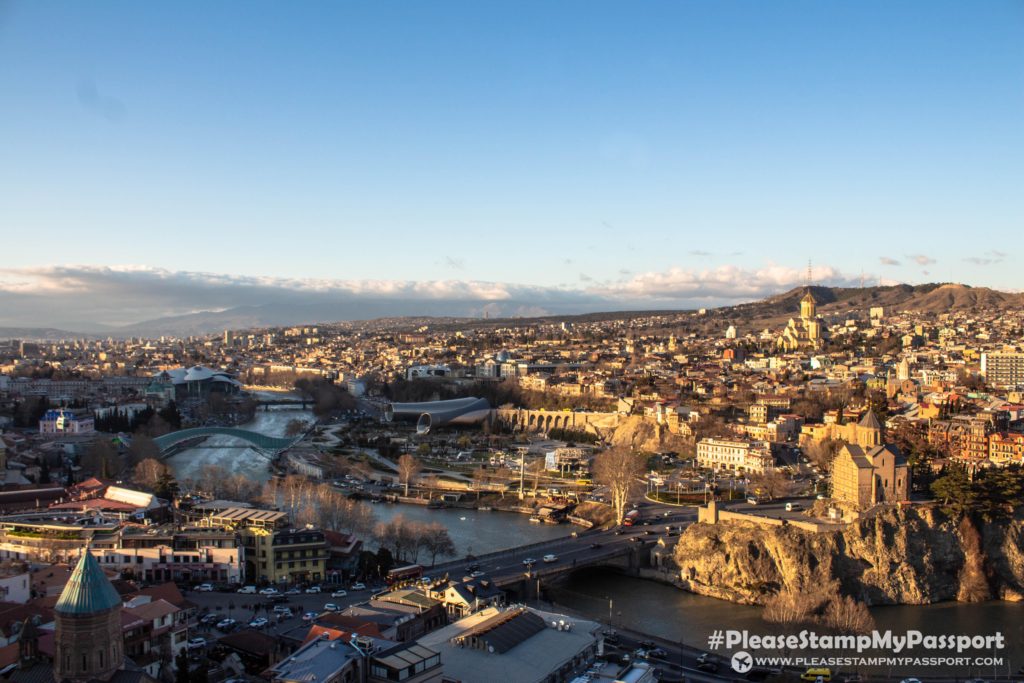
(991, 257)
(698, 252)
(921, 259)
(87, 298)
(453, 262)
(886, 261)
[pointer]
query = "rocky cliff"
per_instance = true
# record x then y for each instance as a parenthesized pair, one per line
(913, 555)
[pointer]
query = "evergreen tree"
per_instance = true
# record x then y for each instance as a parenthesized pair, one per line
(181, 672)
(166, 486)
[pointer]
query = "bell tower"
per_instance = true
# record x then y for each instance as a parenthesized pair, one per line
(89, 638)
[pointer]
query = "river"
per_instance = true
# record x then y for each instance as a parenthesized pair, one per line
(227, 452)
(665, 611)
(477, 532)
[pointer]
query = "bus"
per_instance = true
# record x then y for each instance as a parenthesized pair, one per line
(402, 574)
(631, 518)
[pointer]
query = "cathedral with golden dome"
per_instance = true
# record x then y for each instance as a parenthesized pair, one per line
(807, 333)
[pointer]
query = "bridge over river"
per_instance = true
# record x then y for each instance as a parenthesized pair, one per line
(268, 445)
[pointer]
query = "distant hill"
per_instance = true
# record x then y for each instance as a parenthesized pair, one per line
(34, 333)
(926, 299)
(770, 312)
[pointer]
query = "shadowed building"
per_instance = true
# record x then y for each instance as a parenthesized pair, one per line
(89, 638)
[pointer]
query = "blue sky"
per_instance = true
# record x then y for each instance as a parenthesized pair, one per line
(628, 151)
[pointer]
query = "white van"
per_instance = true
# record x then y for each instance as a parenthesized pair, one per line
(251, 590)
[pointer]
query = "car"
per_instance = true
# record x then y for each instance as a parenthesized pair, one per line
(248, 590)
(753, 500)
(225, 624)
(595, 545)
(339, 594)
(657, 652)
(528, 561)
(284, 614)
(647, 644)
(551, 558)
(705, 657)
(473, 567)
(791, 507)
(309, 616)
(330, 607)
(358, 587)
(619, 532)
(293, 591)
(196, 643)
(258, 622)
(476, 574)
(269, 591)
(313, 589)
(204, 588)
(281, 609)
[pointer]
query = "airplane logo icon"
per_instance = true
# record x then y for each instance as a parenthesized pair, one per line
(742, 662)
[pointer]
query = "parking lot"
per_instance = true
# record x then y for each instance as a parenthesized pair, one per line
(244, 607)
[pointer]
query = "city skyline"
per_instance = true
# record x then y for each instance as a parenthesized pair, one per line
(571, 156)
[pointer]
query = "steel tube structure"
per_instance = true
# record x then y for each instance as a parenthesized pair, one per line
(430, 414)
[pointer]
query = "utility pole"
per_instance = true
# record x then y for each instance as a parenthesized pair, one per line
(522, 473)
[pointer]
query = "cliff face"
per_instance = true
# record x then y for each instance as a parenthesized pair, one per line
(914, 555)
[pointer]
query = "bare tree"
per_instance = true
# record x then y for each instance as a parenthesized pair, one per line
(846, 615)
(772, 484)
(148, 472)
(619, 470)
(101, 459)
(434, 540)
(295, 427)
(408, 468)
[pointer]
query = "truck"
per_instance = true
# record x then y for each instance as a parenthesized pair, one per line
(632, 517)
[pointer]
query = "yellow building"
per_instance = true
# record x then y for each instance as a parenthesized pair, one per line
(285, 556)
(805, 333)
(865, 477)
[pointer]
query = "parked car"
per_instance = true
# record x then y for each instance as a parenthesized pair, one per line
(358, 587)
(225, 624)
(209, 619)
(753, 500)
(205, 588)
(258, 622)
(282, 609)
(196, 643)
(339, 594)
(528, 561)
(269, 591)
(309, 616)
(293, 591)
(330, 607)
(551, 558)
(249, 590)
(790, 507)
(657, 652)
(313, 589)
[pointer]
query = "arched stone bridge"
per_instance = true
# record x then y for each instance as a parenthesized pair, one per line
(270, 444)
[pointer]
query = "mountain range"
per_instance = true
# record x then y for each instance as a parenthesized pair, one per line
(926, 298)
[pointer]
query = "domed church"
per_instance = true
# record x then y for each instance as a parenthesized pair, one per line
(807, 333)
